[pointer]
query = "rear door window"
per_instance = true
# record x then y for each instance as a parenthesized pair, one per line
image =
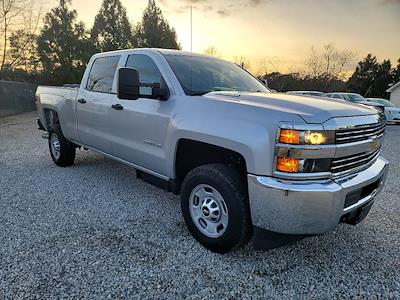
(102, 73)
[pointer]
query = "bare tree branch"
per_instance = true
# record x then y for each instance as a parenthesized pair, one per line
(211, 51)
(13, 16)
(328, 65)
(242, 62)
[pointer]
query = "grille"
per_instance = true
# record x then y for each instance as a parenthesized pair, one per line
(360, 133)
(348, 163)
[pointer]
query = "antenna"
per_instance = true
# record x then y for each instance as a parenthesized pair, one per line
(191, 47)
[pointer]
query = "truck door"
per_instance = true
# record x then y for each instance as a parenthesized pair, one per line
(94, 104)
(139, 127)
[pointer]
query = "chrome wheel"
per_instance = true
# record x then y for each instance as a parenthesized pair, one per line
(208, 211)
(55, 146)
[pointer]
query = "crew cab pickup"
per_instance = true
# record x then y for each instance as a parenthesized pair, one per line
(240, 156)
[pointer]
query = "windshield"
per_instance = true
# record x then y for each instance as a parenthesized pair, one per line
(386, 103)
(200, 75)
(314, 94)
(353, 97)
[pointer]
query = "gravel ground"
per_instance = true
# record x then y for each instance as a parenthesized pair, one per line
(94, 231)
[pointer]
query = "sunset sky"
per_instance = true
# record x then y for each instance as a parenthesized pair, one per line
(285, 29)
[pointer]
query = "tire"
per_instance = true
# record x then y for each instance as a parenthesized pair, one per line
(219, 225)
(61, 150)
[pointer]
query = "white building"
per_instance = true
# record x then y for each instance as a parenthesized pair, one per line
(394, 91)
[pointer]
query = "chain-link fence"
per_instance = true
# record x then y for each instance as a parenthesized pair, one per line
(16, 97)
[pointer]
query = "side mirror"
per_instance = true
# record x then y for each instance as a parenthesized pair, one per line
(128, 84)
(158, 92)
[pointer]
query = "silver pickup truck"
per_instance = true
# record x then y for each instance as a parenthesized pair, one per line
(241, 157)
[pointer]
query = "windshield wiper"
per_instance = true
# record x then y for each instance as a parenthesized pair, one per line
(199, 93)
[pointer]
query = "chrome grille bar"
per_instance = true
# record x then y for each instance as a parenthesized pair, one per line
(360, 133)
(340, 133)
(353, 162)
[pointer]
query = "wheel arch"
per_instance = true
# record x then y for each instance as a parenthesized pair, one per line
(51, 117)
(190, 154)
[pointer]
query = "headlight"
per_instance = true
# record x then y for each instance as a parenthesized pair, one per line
(295, 165)
(306, 137)
(295, 148)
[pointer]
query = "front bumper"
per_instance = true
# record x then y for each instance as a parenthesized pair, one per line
(311, 207)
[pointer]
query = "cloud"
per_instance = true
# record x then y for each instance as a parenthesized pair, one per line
(389, 2)
(184, 9)
(195, 1)
(221, 8)
(256, 2)
(223, 12)
(163, 2)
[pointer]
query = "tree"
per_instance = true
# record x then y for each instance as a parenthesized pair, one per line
(371, 78)
(111, 29)
(16, 15)
(211, 51)
(154, 31)
(23, 51)
(327, 66)
(242, 62)
(268, 65)
(295, 81)
(396, 72)
(63, 45)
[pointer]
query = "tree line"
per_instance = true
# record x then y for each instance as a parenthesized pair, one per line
(325, 72)
(59, 52)
(56, 50)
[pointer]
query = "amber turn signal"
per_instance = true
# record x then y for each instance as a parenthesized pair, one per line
(289, 136)
(288, 165)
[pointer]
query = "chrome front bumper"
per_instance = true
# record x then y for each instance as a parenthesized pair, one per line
(309, 207)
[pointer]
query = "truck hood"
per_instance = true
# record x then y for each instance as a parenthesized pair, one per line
(310, 109)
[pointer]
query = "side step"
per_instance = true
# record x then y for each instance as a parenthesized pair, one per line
(169, 186)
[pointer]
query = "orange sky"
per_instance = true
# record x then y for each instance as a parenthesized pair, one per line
(284, 29)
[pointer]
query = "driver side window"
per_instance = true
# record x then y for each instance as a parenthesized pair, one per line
(148, 71)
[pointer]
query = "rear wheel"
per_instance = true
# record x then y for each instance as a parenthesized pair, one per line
(215, 207)
(61, 150)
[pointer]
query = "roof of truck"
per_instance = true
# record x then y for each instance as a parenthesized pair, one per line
(160, 50)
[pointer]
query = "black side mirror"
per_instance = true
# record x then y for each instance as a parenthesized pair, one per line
(128, 84)
(160, 91)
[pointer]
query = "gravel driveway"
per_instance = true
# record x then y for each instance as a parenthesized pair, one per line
(94, 231)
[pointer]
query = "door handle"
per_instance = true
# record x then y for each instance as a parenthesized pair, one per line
(117, 106)
(82, 100)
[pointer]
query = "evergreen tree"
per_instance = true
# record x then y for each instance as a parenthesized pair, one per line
(63, 46)
(371, 78)
(396, 72)
(111, 29)
(154, 31)
(23, 51)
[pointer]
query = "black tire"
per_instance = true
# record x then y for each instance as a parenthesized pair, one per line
(232, 187)
(67, 150)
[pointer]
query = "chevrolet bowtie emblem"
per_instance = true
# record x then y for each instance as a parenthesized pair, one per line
(373, 145)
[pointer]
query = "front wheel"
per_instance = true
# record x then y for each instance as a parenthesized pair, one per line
(215, 207)
(61, 150)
